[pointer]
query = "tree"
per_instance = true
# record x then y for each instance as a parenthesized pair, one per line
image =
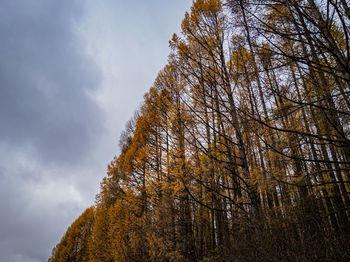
(240, 150)
(74, 246)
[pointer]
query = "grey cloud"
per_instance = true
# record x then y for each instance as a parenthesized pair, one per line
(48, 123)
(44, 80)
(29, 224)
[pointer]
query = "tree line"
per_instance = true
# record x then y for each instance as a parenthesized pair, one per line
(241, 148)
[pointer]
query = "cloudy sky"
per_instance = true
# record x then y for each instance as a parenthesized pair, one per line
(71, 74)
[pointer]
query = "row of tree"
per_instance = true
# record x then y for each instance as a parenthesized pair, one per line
(241, 149)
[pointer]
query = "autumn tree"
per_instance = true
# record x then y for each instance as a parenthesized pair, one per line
(74, 246)
(240, 150)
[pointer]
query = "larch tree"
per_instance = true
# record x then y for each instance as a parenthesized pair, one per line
(240, 150)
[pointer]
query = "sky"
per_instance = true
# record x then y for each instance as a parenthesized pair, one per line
(72, 72)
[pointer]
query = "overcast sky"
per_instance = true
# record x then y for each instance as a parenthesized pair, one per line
(71, 75)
